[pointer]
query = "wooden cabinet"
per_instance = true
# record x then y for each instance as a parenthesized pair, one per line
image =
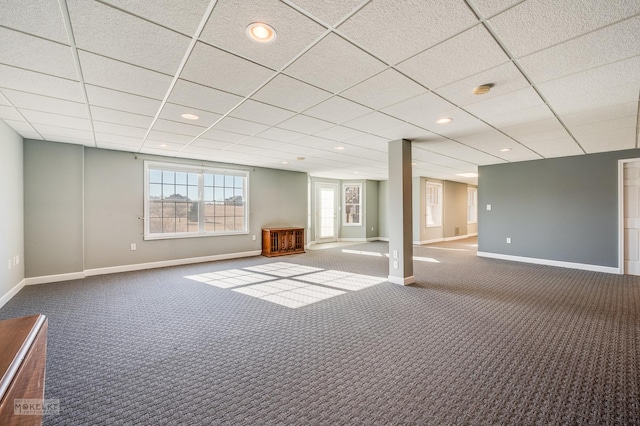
(22, 366)
(281, 241)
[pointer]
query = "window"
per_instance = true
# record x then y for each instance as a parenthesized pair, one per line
(352, 204)
(183, 201)
(434, 204)
(472, 205)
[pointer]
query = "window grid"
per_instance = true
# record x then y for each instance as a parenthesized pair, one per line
(472, 205)
(190, 203)
(434, 204)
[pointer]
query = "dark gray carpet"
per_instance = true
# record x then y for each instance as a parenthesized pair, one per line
(476, 341)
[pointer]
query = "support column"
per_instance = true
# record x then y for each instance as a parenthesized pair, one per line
(400, 226)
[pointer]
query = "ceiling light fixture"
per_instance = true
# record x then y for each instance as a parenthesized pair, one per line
(162, 145)
(189, 116)
(261, 32)
(285, 162)
(505, 149)
(483, 89)
(468, 175)
(414, 164)
(339, 148)
(445, 120)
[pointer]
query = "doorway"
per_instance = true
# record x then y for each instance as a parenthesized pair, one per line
(629, 207)
(326, 212)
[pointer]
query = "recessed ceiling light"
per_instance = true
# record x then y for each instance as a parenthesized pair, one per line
(414, 164)
(189, 116)
(481, 90)
(355, 173)
(162, 145)
(505, 149)
(261, 33)
(285, 162)
(339, 148)
(469, 175)
(445, 120)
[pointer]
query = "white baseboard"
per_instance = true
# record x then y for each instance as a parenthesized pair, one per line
(422, 242)
(562, 264)
(4, 299)
(138, 267)
(363, 240)
(54, 278)
(401, 281)
(383, 239)
(457, 237)
(473, 234)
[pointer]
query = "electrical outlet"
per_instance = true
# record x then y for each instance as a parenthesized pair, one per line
(508, 240)
(16, 259)
(488, 206)
(133, 247)
(253, 237)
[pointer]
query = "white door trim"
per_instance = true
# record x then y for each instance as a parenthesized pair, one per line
(621, 164)
(336, 212)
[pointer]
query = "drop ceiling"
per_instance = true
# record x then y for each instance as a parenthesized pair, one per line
(118, 74)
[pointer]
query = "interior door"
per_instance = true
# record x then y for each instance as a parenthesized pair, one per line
(326, 213)
(631, 198)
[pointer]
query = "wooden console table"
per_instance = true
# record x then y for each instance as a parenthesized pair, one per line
(22, 366)
(282, 241)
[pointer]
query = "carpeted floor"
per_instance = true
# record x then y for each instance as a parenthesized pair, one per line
(476, 341)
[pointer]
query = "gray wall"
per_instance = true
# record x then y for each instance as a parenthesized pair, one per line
(53, 208)
(112, 201)
(383, 208)
(454, 215)
(562, 209)
(11, 208)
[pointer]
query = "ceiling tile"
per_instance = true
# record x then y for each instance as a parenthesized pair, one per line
(387, 88)
(45, 103)
(373, 122)
(555, 22)
(179, 128)
(261, 113)
(610, 135)
(227, 29)
(520, 99)
(260, 143)
(600, 114)
(9, 113)
(101, 71)
(20, 126)
(4, 100)
(339, 133)
(415, 109)
(174, 112)
(329, 11)
(533, 127)
(337, 110)
(168, 137)
(120, 117)
(38, 17)
(505, 78)
(334, 64)
(459, 151)
(221, 70)
(117, 147)
(370, 141)
(39, 117)
(119, 129)
(456, 58)
(401, 131)
(610, 44)
(243, 127)
(305, 124)
(281, 135)
(202, 97)
(64, 134)
(554, 147)
(207, 146)
(429, 157)
(222, 136)
(41, 84)
(107, 31)
(492, 141)
(173, 14)
(104, 139)
(610, 84)
(520, 116)
(122, 101)
(36, 54)
(289, 93)
(489, 8)
(395, 33)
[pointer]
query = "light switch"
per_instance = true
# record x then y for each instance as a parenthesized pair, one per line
(488, 206)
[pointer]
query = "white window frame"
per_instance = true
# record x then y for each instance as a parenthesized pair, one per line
(438, 223)
(200, 170)
(472, 204)
(345, 188)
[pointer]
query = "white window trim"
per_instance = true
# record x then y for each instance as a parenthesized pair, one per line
(344, 204)
(475, 191)
(192, 169)
(440, 199)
